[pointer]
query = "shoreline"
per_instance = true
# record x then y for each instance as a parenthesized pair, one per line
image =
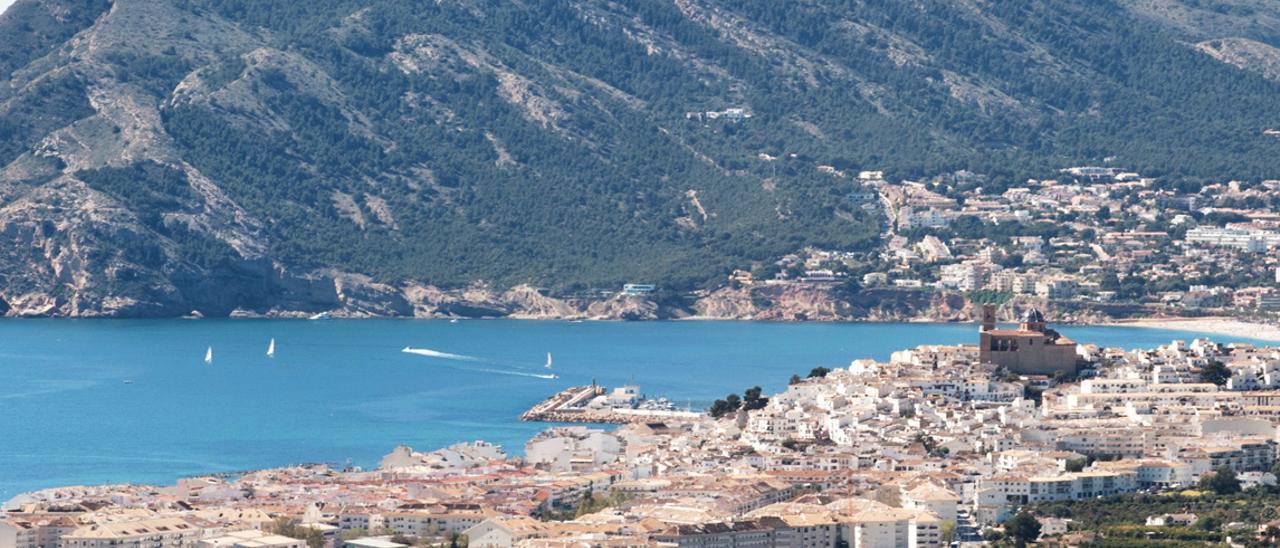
(1215, 325)
(1211, 325)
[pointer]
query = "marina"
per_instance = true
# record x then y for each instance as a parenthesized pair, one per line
(596, 404)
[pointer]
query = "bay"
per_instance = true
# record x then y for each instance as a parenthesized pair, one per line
(97, 401)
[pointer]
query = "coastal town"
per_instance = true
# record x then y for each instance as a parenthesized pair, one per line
(937, 446)
(639, 274)
(1092, 243)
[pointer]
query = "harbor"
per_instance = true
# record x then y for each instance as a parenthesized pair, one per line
(596, 404)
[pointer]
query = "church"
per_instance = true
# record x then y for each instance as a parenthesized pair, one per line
(1031, 349)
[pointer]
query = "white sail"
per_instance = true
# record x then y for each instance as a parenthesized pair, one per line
(208, 355)
(271, 348)
(548, 360)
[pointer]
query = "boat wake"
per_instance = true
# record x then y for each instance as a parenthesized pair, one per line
(437, 354)
(459, 357)
(547, 376)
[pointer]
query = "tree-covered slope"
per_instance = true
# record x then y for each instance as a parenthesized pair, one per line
(164, 155)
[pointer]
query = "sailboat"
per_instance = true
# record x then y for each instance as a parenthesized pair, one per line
(271, 348)
(208, 355)
(548, 360)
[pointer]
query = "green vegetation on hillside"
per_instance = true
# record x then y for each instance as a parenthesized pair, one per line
(570, 212)
(1121, 520)
(988, 296)
(152, 190)
(26, 119)
(559, 143)
(32, 29)
(596, 210)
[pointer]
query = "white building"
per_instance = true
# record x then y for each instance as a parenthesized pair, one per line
(505, 531)
(168, 532)
(961, 276)
(1252, 241)
(1000, 493)
(250, 538)
(574, 448)
(934, 498)
(909, 218)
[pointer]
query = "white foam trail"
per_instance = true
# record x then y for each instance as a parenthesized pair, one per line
(516, 373)
(437, 354)
(51, 387)
(459, 357)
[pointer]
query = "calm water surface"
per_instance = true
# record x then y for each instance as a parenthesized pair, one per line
(342, 391)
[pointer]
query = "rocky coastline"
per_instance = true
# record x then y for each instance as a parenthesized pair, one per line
(272, 292)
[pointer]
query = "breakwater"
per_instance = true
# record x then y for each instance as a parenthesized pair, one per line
(574, 405)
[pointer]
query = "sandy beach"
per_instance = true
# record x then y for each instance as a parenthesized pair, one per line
(1216, 325)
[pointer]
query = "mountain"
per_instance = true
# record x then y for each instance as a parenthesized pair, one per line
(163, 156)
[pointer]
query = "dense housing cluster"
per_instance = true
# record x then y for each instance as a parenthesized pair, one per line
(1094, 239)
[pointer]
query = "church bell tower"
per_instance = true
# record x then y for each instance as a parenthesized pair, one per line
(988, 318)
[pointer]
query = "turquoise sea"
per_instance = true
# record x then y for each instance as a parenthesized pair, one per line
(95, 401)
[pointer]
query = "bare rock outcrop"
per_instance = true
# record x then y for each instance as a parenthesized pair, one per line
(361, 296)
(623, 307)
(529, 303)
(784, 302)
(473, 302)
(1246, 54)
(726, 304)
(54, 262)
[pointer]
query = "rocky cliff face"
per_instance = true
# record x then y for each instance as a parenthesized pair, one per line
(777, 302)
(77, 250)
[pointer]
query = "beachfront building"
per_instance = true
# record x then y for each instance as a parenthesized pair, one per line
(638, 290)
